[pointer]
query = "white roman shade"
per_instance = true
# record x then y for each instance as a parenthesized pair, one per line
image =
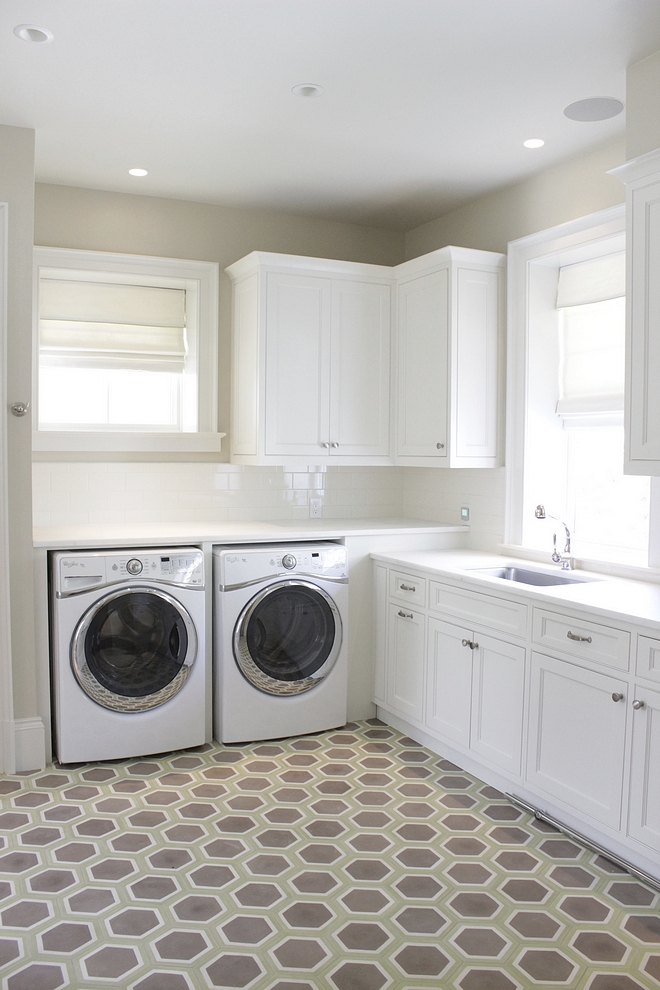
(88, 324)
(591, 300)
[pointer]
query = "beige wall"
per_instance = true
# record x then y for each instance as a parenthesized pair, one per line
(643, 106)
(17, 189)
(106, 221)
(567, 191)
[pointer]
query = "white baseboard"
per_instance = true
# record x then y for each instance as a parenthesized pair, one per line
(30, 744)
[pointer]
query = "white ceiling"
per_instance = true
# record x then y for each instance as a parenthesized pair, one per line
(426, 103)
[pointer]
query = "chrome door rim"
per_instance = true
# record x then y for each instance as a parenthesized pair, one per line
(116, 702)
(249, 669)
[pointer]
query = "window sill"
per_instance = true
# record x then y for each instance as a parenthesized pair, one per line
(126, 443)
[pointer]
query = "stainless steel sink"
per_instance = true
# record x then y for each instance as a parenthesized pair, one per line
(524, 575)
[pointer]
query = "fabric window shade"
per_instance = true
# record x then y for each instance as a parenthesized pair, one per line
(112, 325)
(593, 358)
(592, 281)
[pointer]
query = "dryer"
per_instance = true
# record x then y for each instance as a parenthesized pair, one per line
(128, 652)
(280, 649)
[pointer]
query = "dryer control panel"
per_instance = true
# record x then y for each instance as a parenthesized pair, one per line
(182, 567)
(246, 565)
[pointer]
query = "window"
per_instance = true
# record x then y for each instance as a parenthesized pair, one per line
(126, 350)
(566, 390)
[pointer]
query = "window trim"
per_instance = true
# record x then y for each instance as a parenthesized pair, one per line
(206, 274)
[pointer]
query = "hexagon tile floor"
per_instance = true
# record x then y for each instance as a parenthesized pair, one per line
(352, 860)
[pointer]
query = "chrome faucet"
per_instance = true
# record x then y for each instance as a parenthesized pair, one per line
(563, 558)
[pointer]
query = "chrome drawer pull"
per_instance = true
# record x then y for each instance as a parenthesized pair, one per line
(407, 587)
(617, 696)
(405, 615)
(578, 639)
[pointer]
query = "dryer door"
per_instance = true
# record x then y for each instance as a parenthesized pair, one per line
(133, 649)
(288, 638)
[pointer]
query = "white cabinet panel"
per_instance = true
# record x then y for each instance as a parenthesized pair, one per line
(380, 633)
(405, 660)
(577, 737)
(497, 705)
(496, 613)
(449, 682)
(648, 658)
(644, 821)
(581, 637)
(477, 371)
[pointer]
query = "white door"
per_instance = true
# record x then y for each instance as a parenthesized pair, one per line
(476, 363)
(405, 661)
(422, 356)
(644, 822)
(497, 703)
(449, 681)
(576, 737)
(360, 369)
(7, 743)
(298, 365)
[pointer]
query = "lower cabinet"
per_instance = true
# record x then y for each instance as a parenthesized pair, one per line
(577, 736)
(644, 819)
(406, 637)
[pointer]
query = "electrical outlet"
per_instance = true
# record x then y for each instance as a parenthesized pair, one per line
(465, 513)
(315, 508)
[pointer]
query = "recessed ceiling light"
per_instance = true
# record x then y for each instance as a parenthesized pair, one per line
(597, 108)
(307, 90)
(137, 171)
(30, 32)
(533, 143)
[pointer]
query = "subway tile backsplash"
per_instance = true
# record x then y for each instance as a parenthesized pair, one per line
(101, 492)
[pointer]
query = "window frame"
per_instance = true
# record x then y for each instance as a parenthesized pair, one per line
(206, 276)
(550, 249)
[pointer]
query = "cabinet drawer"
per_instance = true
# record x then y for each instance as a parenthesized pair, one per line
(482, 610)
(582, 638)
(407, 588)
(648, 658)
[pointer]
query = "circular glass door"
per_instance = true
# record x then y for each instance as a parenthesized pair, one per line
(288, 638)
(133, 650)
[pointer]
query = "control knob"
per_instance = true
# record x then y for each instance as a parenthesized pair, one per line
(289, 561)
(134, 566)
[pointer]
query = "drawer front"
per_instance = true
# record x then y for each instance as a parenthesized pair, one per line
(648, 658)
(407, 588)
(482, 610)
(582, 638)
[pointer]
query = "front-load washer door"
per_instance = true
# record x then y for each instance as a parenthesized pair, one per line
(288, 638)
(133, 649)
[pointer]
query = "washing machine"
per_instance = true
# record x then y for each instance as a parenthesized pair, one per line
(280, 650)
(128, 652)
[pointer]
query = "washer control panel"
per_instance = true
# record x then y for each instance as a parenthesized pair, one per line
(77, 572)
(245, 565)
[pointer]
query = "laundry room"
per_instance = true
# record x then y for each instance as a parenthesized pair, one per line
(330, 597)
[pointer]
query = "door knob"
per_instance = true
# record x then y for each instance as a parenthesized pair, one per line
(637, 705)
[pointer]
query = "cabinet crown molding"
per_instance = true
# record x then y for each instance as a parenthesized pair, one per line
(638, 168)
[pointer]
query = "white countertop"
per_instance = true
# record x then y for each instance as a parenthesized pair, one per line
(628, 601)
(99, 536)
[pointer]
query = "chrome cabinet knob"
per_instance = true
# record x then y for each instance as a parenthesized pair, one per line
(440, 446)
(326, 444)
(637, 705)
(616, 696)
(334, 444)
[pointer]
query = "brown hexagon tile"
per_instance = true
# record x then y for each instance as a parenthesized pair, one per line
(534, 924)
(319, 853)
(134, 921)
(10, 949)
(460, 845)
(312, 882)
(170, 859)
(458, 801)
(12, 820)
(329, 807)
(560, 849)
(419, 887)
(509, 835)
(31, 800)
(631, 894)
(307, 914)
(188, 762)
(367, 869)
(245, 803)
(421, 859)
(75, 852)
(502, 813)
(473, 873)
(322, 829)
(283, 816)
(153, 888)
(197, 907)
(276, 838)
(290, 795)
(181, 945)
(365, 901)
(37, 976)
(264, 865)
(247, 930)
(209, 790)
(18, 862)
(131, 842)
(81, 793)
(260, 766)
(100, 774)
(546, 965)
(474, 905)
(197, 810)
(372, 819)
(421, 960)
(480, 942)
(258, 894)
(614, 981)
(454, 783)
(487, 979)
(253, 783)
(417, 833)
(374, 799)
(113, 806)
(415, 809)
(66, 937)
(599, 947)
(300, 953)
(96, 827)
(52, 881)
(363, 936)
(652, 967)
(645, 927)
(582, 908)
(225, 848)
(415, 790)
(370, 843)
(25, 914)
(111, 962)
(420, 921)
(129, 787)
(525, 890)
(212, 876)
(572, 876)
(6, 890)
(144, 769)
(228, 756)
(62, 813)
(113, 869)
(517, 862)
(236, 824)
(175, 779)
(301, 760)
(93, 900)
(358, 976)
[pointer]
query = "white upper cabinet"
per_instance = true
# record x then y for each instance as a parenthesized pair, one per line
(310, 361)
(449, 359)
(642, 408)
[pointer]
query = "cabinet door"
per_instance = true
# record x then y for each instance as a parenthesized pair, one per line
(360, 369)
(297, 363)
(405, 661)
(497, 703)
(644, 821)
(576, 737)
(449, 682)
(422, 356)
(476, 367)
